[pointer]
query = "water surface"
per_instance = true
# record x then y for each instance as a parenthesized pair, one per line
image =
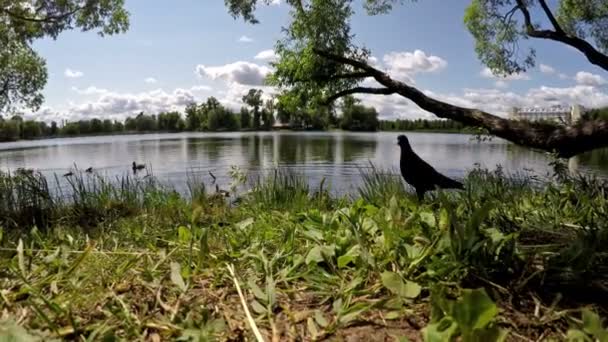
(336, 156)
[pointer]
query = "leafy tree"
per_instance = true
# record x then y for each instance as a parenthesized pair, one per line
(96, 126)
(193, 118)
(9, 130)
(130, 124)
(245, 118)
(30, 129)
(254, 100)
(171, 122)
(356, 117)
(320, 61)
(54, 129)
(23, 72)
(222, 119)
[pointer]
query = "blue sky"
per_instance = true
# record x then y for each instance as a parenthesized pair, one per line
(185, 50)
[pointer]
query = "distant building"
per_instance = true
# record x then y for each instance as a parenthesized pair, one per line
(566, 115)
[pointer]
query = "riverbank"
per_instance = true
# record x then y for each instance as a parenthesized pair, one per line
(132, 260)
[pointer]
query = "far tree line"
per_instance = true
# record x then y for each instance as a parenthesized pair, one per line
(211, 116)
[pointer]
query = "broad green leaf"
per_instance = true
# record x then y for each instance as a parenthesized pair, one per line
(176, 276)
(428, 217)
(314, 255)
(351, 255)
(592, 324)
(474, 310)
(396, 285)
(441, 331)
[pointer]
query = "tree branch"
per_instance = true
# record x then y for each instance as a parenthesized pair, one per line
(359, 90)
(593, 55)
(46, 19)
(566, 141)
(352, 75)
(551, 17)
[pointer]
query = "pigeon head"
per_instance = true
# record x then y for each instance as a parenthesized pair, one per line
(403, 142)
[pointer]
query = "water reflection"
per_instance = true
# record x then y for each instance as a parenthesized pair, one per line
(332, 155)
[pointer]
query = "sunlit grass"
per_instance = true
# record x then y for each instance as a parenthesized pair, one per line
(130, 259)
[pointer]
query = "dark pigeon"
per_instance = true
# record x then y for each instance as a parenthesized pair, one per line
(419, 174)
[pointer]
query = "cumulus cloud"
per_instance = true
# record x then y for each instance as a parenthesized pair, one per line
(406, 64)
(245, 39)
(487, 73)
(587, 78)
(69, 73)
(267, 55)
(150, 80)
(547, 69)
(244, 73)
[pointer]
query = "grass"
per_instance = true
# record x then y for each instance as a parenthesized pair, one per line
(128, 259)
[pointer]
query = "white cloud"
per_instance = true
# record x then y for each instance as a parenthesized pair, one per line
(201, 88)
(69, 73)
(245, 39)
(91, 90)
(587, 78)
(563, 76)
(150, 80)
(546, 69)
(406, 64)
(239, 72)
(487, 73)
(274, 2)
(267, 55)
(501, 84)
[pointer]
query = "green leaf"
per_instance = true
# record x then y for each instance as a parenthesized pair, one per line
(441, 331)
(350, 256)
(320, 319)
(314, 255)
(592, 324)
(395, 284)
(444, 219)
(184, 235)
(474, 310)
(393, 315)
(257, 307)
(257, 291)
(428, 217)
(176, 276)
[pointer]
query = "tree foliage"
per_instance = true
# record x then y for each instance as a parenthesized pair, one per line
(23, 72)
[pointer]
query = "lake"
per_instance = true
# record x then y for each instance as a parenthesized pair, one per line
(336, 156)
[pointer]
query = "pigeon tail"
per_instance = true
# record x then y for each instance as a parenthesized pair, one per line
(448, 183)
